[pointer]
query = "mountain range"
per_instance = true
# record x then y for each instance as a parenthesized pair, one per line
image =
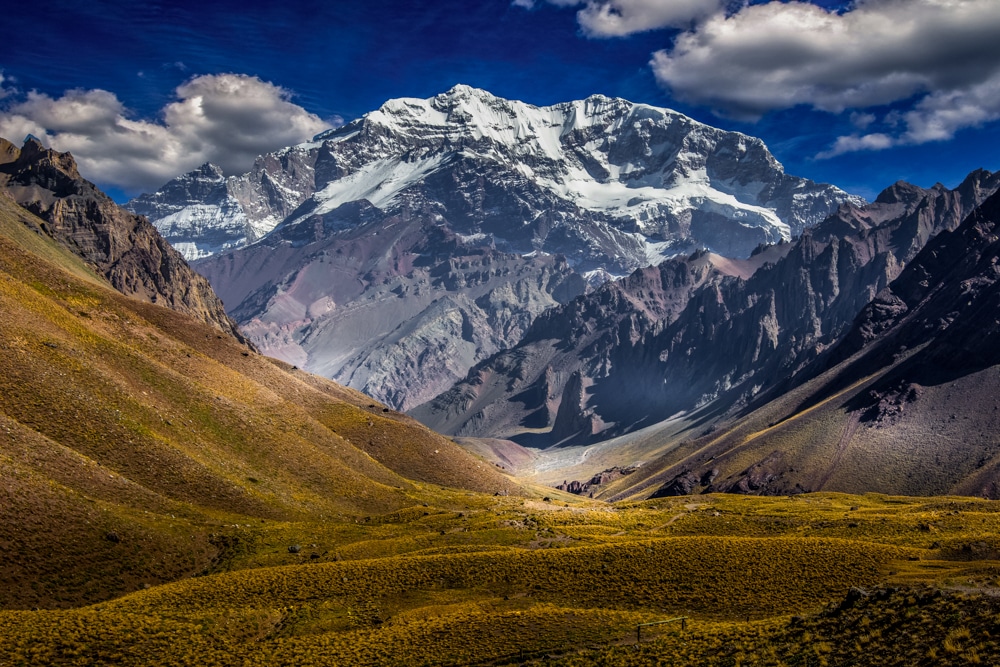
(905, 402)
(427, 235)
(586, 293)
(170, 495)
(699, 333)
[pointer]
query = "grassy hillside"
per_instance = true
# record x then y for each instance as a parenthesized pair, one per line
(130, 434)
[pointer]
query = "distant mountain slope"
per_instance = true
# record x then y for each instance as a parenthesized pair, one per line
(198, 213)
(131, 433)
(909, 404)
(731, 338)
(541, 383)
(119, 245)
(395, 306)
(415, 242)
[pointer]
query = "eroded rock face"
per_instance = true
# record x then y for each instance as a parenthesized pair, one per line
(730, 337)
(123, 247)
(914, 382)
(546, 379)
(949, 296)
(596, 483)
(395, 306)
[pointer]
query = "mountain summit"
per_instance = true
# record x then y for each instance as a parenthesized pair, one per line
(611, 184)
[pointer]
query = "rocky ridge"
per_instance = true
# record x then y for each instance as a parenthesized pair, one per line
(121, 246)
(732, 339)
(906, 403)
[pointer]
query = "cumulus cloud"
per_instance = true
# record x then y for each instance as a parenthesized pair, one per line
(870, 142)
(620, 18)
(940, 59)
(779, 55)
(227, 119)
(936, 61)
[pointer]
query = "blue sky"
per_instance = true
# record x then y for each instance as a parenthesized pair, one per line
(858, 94)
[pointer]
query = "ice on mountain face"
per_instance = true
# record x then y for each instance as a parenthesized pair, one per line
(378, 183)
(200, 230)
(535, 142)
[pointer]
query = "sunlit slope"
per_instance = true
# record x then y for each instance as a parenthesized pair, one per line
(815, 438)
(130, 433)
(741, 569)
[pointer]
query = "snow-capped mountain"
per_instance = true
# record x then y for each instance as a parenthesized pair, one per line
(197, 213)
(416, 241)
(610, 184)
(203, 212)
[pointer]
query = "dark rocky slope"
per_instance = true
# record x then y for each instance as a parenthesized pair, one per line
(733, 338)
(909, 402)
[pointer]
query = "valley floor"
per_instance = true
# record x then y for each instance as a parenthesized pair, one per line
(468, 578)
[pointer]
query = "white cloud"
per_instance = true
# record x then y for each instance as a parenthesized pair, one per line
(227, 119)
(936, 61)
(862, 120)
(939, 59)
(620, 18)
(779, 55)
(850, 144)
(937, 117)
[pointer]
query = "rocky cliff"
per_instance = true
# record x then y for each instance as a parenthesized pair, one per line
(907, 402)
(121, 246)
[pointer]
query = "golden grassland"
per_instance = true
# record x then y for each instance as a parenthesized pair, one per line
(132, 437)
(569, 581)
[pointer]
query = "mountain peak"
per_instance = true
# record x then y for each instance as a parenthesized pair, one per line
(399, 198)
(210, 170)
(462, 90)
(900, 192)
(124, 248)
(34, 164)
(33, 151)
(8, 151)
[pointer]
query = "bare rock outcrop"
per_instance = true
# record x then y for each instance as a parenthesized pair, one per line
(121, 246)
